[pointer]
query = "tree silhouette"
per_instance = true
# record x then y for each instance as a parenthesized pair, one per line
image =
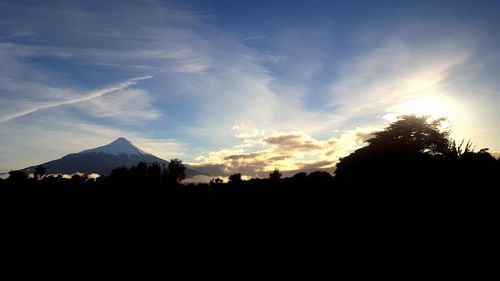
(404, 149)
(139, 173)
(416, 133)
(275, 176)
(17, 177)
(76, 178)
(456, 152)
(320, 177)
(216, 181)
(176, 170)
(154, 173)
(137, 192)
(235, 178)
(119, 174)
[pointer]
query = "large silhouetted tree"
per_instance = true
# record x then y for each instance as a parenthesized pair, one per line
(416, 134)
(402, 150)
(176, 170)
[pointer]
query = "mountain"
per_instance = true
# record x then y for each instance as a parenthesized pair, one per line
(102, 160)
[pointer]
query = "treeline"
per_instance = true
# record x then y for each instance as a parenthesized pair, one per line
(411, 165)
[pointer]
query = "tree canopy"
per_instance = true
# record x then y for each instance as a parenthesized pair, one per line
(416, 134)
(415, 151)
(176, 170)
(406, 149)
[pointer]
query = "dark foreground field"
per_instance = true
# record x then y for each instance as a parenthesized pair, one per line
(317, 198)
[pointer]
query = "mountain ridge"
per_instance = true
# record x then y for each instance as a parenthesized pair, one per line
(102, 160)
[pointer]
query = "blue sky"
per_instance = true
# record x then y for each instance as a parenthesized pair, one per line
(241, 85)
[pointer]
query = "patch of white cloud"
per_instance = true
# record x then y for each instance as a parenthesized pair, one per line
(243, 131)
(89, 96)
(128, 105)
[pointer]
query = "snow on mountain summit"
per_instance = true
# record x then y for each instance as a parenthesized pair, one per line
(102, 160)
(117, 147)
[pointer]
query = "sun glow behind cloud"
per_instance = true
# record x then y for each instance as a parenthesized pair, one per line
(434, 108)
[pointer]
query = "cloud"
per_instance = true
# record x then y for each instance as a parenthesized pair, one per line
(89, 96)
(213, 170)
(254, 38)
(293, 142)
(495, 154)
(243, 131)
(130, 105)
(197, 179)
(290, 152)
(408, 71)
(394, 72)
(147, 36)
(220, 80)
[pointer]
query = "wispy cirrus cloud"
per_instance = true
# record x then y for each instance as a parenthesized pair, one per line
(254, 38)
(89, 96)
(128, 105)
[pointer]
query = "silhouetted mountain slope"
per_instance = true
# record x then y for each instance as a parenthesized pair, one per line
(102, 160)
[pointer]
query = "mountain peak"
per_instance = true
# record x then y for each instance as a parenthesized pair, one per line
(119, 146)
(102, 160)
(121, 140)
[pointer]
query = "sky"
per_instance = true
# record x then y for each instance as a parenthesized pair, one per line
(241, 86)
